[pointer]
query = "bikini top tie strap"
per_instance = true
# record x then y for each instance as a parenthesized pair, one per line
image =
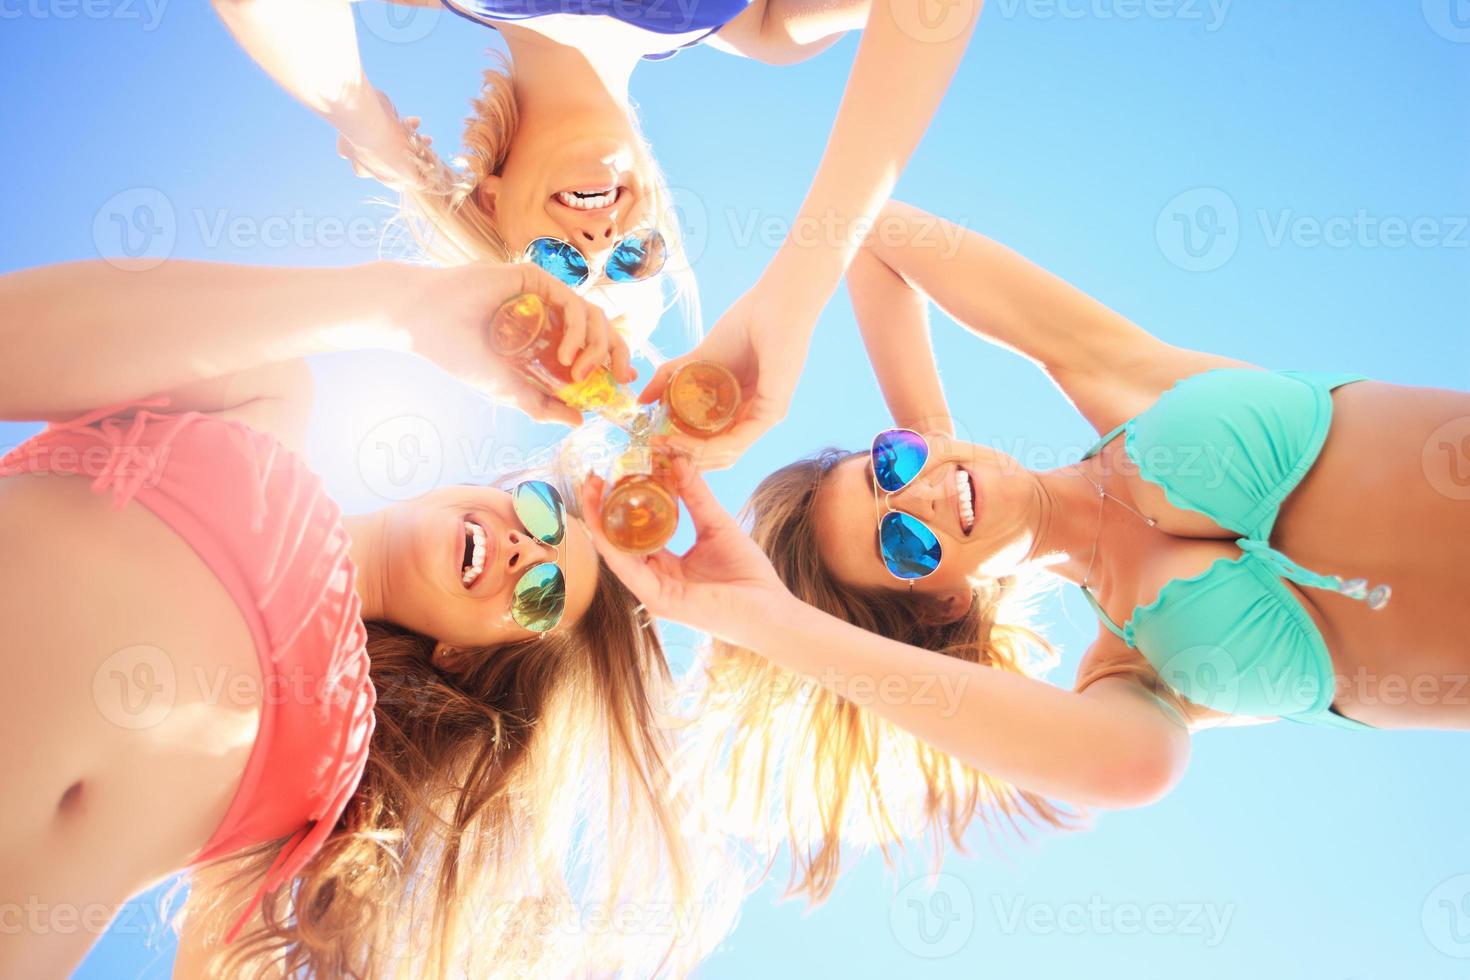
(1354, 588)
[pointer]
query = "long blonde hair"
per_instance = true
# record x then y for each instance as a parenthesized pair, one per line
(480, 840)
(790, 758)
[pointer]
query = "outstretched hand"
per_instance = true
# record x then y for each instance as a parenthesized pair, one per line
(722, 585)
(763, 341)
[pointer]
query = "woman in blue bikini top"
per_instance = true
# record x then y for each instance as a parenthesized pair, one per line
(1257, 544)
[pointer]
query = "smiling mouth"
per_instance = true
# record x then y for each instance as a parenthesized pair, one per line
(964, 486)
(595, 199)
(473, 560)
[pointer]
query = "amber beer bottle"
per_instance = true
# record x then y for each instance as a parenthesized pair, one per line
(641, 509)
(527, 331)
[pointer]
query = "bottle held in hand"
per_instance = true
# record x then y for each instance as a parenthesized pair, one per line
(527, 332)
(640, 511)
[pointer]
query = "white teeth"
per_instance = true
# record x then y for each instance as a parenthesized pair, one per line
(966, 499)
(588, 202)
(477, 553)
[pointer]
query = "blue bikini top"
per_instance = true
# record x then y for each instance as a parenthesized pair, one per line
(654, 16)
(1232, 444)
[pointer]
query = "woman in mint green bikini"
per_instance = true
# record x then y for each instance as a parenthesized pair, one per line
(1257, 545)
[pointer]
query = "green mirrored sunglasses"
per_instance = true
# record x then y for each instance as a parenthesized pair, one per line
(540, 594)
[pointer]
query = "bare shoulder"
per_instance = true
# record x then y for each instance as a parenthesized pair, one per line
(1136, 373)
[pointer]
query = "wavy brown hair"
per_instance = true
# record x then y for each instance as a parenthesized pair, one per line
(794, 760)
(480, 840)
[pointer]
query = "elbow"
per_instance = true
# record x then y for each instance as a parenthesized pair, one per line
(1141, 774)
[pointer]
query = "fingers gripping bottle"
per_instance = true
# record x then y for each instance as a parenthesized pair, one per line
(641, 509)
(527, 331)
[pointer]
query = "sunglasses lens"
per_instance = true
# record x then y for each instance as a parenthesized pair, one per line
(898, 456)
(540, 597)
(539, 507)
(910, 550)
(560, 259)
(637, 257)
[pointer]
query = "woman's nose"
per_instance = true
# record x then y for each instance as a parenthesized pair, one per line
(920, 498)
(522, 551)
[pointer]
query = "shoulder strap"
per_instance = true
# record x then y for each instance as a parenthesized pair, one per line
(1103, 616)
(1097, 446)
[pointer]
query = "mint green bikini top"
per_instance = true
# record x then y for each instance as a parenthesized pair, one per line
(1232, 444)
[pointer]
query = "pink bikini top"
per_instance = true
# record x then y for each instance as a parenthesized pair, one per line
(258, 517)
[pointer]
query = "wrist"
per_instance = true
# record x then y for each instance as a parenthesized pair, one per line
(357, 111)
(775, 624)
(393, 300)
(807, 273)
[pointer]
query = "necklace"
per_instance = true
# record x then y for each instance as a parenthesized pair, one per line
(1102, 498)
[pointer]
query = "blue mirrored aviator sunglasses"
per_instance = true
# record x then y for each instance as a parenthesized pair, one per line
(908, 548)
(540, 593)
(639, 256)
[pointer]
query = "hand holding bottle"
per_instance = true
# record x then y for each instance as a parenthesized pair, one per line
(448, 313)
(722, 585)
(762, 340)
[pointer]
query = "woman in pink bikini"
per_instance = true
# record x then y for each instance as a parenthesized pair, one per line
(353, 727)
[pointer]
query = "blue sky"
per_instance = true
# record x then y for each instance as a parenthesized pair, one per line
(1284, 183)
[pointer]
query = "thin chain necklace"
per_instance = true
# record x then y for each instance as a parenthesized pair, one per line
(1102, 498)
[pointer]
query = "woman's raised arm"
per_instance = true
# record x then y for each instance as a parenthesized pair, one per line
(1111, 746)
(1108, 366)
(87, 334)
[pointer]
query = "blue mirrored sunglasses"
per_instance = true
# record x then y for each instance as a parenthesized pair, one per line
(638, 256)
(910, 550)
